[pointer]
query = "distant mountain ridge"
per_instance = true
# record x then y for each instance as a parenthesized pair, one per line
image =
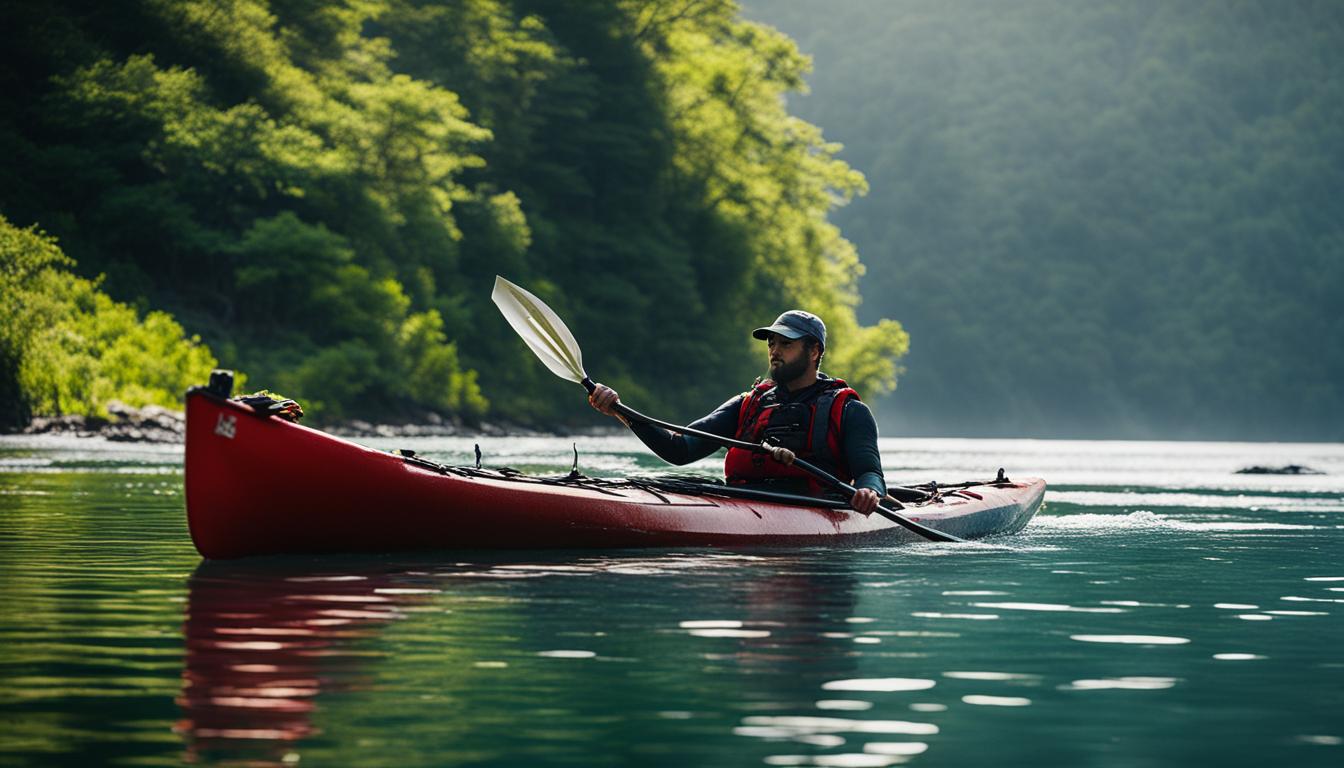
(1103, 219)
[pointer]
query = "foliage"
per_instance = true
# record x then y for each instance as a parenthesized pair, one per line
(325, 191)
(1128, 212)
(769, 178)
(67, 348)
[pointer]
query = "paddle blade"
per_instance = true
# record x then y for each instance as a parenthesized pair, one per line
(543, 330)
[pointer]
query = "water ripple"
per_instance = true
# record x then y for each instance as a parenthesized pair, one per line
(1128, 499)
(120, 646)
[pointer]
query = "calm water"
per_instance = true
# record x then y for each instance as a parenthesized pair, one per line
(1160, 611)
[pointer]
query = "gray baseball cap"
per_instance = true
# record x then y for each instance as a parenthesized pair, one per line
(795, 324)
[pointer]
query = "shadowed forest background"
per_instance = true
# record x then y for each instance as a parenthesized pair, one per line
(1097, 219)
(1107, 219)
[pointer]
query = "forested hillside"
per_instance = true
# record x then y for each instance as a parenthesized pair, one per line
(1116, 218)
(324, 191)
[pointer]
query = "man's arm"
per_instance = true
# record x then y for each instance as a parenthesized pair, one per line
(679, 449)
(859, 443)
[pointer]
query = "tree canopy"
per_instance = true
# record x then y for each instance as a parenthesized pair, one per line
(324, 191)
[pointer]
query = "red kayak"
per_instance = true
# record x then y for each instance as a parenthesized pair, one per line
(258, 484)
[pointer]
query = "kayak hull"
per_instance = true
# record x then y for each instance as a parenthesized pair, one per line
(261, 485)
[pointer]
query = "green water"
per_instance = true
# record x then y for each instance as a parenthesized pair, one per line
(1160, 611)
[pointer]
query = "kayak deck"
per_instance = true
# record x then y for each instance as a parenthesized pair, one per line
(258, 484)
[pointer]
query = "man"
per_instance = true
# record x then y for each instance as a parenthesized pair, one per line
(798, 411)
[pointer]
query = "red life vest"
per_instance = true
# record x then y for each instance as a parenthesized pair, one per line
(815, 437)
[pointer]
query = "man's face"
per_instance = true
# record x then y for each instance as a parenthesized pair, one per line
(788, 358)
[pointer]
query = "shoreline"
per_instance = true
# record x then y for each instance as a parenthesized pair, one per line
(155, 424)
(158, 425)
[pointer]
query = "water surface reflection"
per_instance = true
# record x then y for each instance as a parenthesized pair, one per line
(263, 641)
(270, 645)
(1161, 611)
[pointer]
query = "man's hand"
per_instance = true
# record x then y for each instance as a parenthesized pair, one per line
(604, 399)
(782, 455)
(864, 501)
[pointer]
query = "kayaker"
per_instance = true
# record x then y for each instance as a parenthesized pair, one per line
(798, 410)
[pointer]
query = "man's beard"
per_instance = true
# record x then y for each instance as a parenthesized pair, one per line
(788, 371)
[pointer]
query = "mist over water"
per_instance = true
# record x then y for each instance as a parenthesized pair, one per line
(1161, 610)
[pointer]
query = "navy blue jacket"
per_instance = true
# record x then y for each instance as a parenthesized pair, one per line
(858, 436)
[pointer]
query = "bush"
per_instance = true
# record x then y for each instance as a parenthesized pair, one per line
(67, 348)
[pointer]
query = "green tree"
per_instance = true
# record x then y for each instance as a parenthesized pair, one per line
(324, 191)
(67, 348)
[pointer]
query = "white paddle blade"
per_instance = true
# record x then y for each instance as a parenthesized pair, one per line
(542, 330)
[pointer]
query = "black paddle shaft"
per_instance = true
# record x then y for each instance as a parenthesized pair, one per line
(817, 472)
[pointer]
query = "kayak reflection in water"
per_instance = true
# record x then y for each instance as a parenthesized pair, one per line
(264, 639)
(799, 411)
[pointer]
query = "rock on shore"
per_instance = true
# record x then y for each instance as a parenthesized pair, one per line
(150, 424)
(156, 424)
